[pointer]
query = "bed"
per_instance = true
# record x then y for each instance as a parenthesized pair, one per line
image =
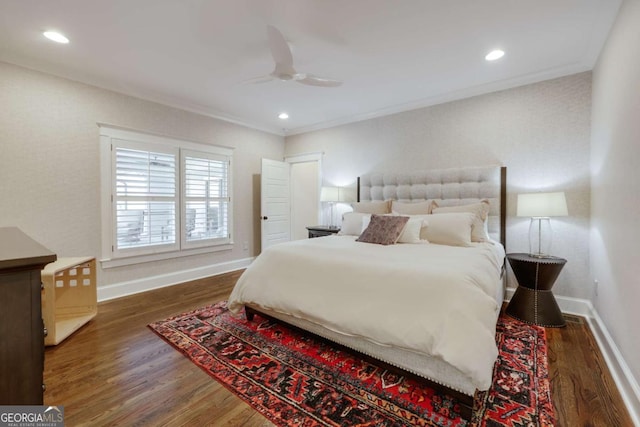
(428, 309)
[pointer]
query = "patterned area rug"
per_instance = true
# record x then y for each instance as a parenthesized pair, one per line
(296, 379)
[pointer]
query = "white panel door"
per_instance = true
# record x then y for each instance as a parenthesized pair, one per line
(275, 203)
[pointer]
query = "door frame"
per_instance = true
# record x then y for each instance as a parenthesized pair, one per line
(307, 158)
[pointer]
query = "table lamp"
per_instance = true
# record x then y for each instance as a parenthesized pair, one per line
(333, 195)
(330, 195)
(541, 207)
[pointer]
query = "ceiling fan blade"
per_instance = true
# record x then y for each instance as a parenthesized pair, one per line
(279, 49)
(312, 80)
(283, 58)
(258, 80)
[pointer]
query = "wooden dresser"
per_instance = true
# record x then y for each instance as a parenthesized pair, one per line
(21, 326)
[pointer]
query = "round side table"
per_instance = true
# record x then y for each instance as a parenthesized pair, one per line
(533, 301)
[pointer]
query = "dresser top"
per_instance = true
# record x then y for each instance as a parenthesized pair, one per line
(19, 251)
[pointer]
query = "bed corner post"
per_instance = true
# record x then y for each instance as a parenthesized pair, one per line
(358, 191)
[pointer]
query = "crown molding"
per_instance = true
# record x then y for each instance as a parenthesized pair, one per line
(483, 89)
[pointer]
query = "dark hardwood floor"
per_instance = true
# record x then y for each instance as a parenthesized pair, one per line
(116, 372)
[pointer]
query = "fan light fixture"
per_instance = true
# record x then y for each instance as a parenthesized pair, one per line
(56, 37)
(283, 116)
(494, 54)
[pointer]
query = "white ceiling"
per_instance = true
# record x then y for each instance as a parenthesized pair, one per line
(391, 55)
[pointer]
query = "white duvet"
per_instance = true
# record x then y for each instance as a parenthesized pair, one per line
(431, 299)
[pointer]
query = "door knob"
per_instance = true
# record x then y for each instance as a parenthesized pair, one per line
(265, 218)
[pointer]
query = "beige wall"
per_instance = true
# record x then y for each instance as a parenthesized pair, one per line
(49, 165)
(541, 132)
(615, 188)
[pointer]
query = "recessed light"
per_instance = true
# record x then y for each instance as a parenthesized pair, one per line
(283, 116)
(56, 37)
(494, 54)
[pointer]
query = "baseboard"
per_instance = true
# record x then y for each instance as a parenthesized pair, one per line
(132, 287)
(628, 386)
(624, 379)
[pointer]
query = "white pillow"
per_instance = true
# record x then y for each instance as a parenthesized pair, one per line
(411, 232)
(352, 223)
(481, 212)
(452, 229)
(365, 221)
(372, 207)
(413, 208)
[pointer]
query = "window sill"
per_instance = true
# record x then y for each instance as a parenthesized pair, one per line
(141, 259)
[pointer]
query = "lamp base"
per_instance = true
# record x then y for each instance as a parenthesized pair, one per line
(331, 223)
(540, 237)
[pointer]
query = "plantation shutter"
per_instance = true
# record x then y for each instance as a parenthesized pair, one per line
(206, 198)
(145, 198)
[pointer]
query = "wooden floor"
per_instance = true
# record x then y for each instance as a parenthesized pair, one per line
(116, 372)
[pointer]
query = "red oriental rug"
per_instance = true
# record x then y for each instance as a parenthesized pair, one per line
(297, 379)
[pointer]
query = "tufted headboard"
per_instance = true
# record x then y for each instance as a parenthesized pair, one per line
(448, 187)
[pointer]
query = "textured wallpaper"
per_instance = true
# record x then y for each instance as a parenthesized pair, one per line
(541, 132)
(49, 166)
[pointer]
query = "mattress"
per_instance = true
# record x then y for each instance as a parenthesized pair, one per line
(429, 309)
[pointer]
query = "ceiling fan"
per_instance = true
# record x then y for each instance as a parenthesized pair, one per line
(284, 70)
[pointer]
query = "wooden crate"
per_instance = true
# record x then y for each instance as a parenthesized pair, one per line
(70, 297)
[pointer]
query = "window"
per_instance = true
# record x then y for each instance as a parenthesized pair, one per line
(206, 198)
(145, 197)
(163, 196)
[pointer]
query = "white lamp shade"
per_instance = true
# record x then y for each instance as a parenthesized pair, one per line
(337, 194)
(542, 204)
(347, 194)
(329, 194)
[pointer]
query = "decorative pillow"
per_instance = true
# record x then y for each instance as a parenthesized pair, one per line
(352, 223)
(383, 230)
(481, 212)
(452, 229)
(417, 208)
(411, 231)
(373, 207)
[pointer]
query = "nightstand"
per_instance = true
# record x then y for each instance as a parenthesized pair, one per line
(533, 301)
(322, 230)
